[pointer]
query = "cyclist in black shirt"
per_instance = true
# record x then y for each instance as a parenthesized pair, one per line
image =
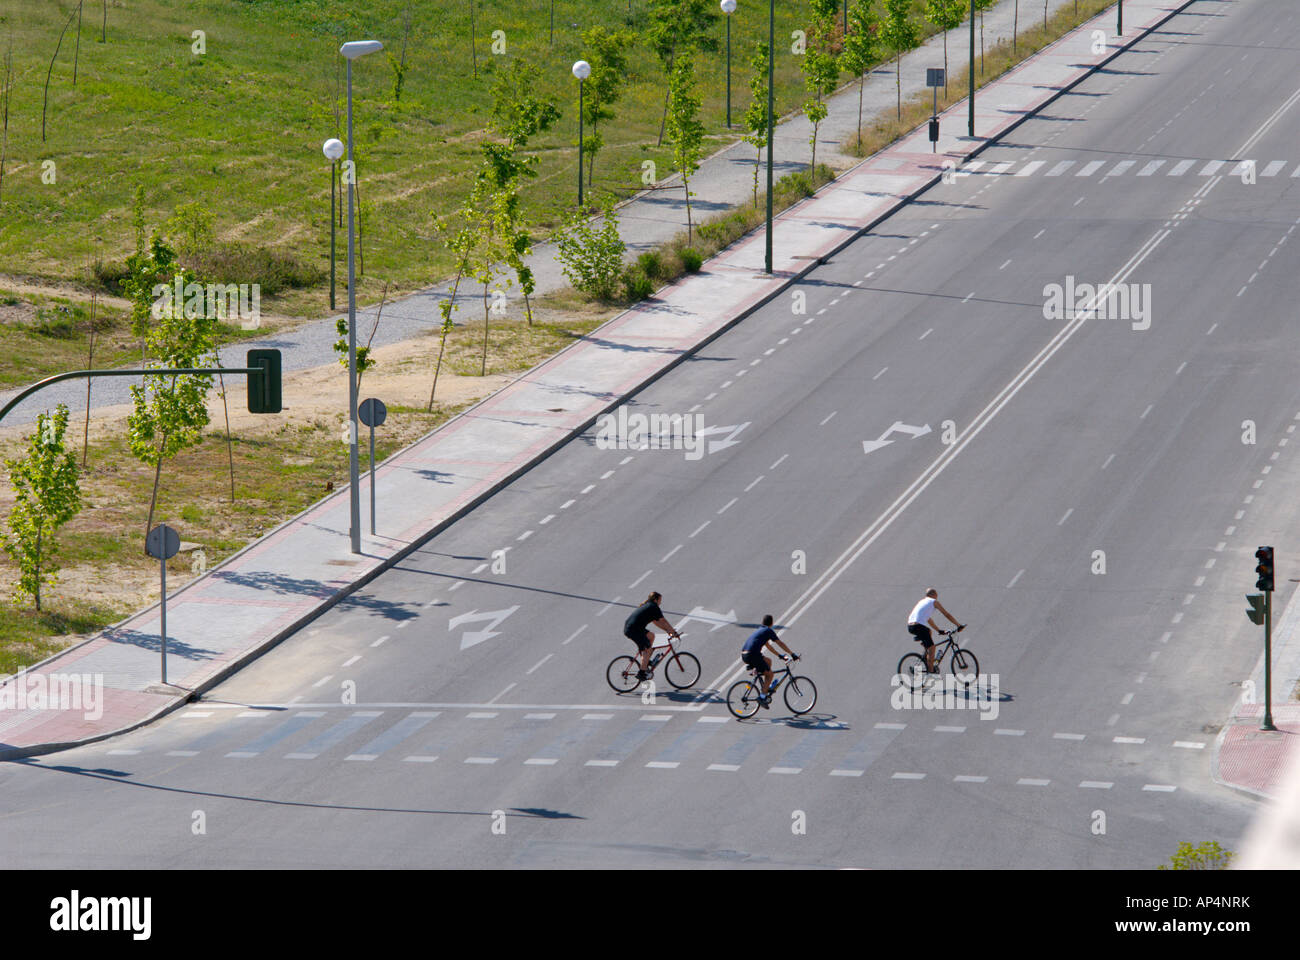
(635, 629)
(751, 654)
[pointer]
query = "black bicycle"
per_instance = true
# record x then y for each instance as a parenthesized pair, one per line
(800, 693)
(963, 665)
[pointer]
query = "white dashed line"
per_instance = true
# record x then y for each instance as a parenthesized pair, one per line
(1015, 578)
(1189, 744)
(961, 778)
(538, 663)
(701, 526)
(1065, 516)
(351, 660)
(380, 640)
(753, 483)
(1029, 782)
(729, 503)
(726, 767)
(1096, 784)
(926, 334)
(908, 776)
(670, 553)
(828, 418)
(1002, 732)
(1068, 736)
(779, 462)
(632, 585)
(1129, 740)
(576, 632)
(1160, 787)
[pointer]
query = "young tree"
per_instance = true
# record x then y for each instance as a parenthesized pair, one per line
(6, 92)
(592, 256)
(861, 47)
(170, 411)
(820, 68)
(457, 236)
(980, 7)
(946, 15)
(1015, 26)
(755, 118)
(899, 33)
(676, 26)
(518, 115)
(606, 51)
(684, 128)
(46, 497)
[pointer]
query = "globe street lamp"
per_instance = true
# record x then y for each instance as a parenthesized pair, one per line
(350, 51)
(333, 150)
(728, 7)
(581, 70)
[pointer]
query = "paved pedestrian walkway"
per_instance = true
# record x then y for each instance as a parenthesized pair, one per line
(267, 591)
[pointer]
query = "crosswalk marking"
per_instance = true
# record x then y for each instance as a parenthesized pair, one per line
(1151, 168)
(1090, 168)
(1060, 168)
(1178, 169)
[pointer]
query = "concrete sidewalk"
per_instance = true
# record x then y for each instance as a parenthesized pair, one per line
(1250, 759)
(650, 218)
(266, 592)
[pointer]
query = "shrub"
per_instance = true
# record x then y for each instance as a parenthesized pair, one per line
(592, 257)
(692, 260)
(273, 270)
(651, 265)
(58, 322)
(1208, 856)
(637, 285)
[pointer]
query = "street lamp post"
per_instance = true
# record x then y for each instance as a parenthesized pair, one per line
(333, 150)
(771, 126)
(581, 70)
(728, 7)
(350, 51)
(970, 119)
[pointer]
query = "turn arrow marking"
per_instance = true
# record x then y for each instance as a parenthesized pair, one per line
(870, 446)
(473, 637)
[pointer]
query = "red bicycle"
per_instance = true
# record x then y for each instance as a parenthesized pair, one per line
(682, 669)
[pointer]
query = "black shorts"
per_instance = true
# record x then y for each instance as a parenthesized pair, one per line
(922, 633)
(756, 660)
(643, 641)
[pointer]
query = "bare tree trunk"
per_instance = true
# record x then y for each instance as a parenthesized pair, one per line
(49, 73)
(37, 591)
(460, 271)
(5, 95)
(157, 474)
(104, 26)
(1015, 26)
(76, 57)
(361, 250)
(483, 371)
(473, 38)
(383, 297)
(90, 365)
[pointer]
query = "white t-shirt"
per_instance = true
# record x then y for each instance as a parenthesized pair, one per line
(922, 612)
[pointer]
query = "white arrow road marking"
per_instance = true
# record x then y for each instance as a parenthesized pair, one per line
(870, 446)
(719, 620)
(472, 637)
(730, 441)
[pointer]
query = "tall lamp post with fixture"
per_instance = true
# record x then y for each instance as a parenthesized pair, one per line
(333, 150)
(581, 70)
(350, 51)
(728, 7)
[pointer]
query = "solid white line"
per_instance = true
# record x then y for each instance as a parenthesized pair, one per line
(538, 663)
(576, 632)
(670, 553)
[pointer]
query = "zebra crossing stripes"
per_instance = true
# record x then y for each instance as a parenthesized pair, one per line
(686, 743)
(1172, 167)
(273, 736)
(393, 736)
(333, 736)
(804, 751)
(868, 750)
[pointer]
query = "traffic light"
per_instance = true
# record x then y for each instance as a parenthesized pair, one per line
(264, 389)
(1256, 611)
(1265, 568)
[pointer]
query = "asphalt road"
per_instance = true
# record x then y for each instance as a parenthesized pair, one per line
(1071, 438)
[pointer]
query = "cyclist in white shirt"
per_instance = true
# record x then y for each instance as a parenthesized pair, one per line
(919, 623)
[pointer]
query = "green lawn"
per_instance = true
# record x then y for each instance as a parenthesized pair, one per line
(239, 128)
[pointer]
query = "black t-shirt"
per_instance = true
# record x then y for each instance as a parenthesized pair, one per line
(758, 639)
(641, 618)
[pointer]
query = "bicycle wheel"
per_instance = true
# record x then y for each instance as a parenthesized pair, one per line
(682, 670)
(621, 674)
(912, 669)
(965, 668)
(742, 699)
(800, 695)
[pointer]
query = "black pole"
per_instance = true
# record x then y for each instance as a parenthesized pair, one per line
(580, 108)
(970, 119)
(372, 479)
(1120, 29)
(333, 177)
(162, 563)
(771, 124)
(1268, 662)
(728, 71)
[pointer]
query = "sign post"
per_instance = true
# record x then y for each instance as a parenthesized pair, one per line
(373, 413)
(934, 80)
(164, 543)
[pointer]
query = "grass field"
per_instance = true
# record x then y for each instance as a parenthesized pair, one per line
(239, 127)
